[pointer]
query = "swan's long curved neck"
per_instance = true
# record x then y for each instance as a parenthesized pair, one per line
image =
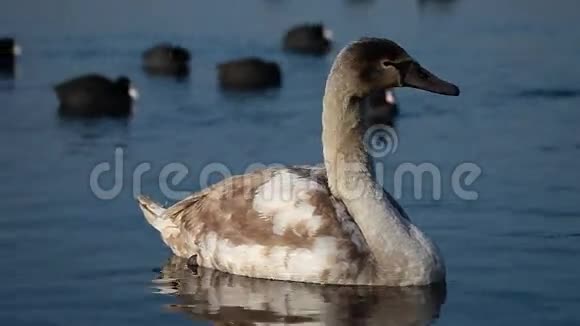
(351, 176)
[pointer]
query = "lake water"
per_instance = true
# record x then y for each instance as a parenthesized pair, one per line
(70, 258)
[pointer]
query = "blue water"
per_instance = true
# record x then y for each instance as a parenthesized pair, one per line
(70, 258)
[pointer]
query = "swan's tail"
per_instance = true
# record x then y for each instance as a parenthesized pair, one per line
(155, 214)
(163, 220)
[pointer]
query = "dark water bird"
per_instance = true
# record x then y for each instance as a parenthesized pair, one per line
(308, 39)
(93, 95)
(9, 50)
(226, 299)
(327, 224)
(249, 73)
(167, 59)
(381, 107)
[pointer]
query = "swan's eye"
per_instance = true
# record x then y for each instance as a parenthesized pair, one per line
(386, 63)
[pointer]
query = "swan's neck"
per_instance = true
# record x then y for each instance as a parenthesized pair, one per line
(351, 178)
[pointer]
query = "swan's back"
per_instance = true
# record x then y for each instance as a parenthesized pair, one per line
(273, 223)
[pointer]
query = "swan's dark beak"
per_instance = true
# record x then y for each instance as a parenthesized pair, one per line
(418, 77)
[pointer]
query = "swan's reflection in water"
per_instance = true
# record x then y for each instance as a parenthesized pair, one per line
(227, 299)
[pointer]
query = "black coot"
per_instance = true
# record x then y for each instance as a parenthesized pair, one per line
(93, 95)
(381, 107)
(308, 39)
(167, 59)
(9, 50)
(249, 73)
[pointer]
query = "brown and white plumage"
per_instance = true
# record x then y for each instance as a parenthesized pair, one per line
(273, 223)
(331, 224)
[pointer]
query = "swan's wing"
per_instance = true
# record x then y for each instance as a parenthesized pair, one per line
(273, 223)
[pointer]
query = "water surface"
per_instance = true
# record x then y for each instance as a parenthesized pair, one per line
(71, 258)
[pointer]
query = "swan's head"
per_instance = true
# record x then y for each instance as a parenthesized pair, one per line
(372, 64)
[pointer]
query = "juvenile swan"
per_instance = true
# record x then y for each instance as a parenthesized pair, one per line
(331, 224)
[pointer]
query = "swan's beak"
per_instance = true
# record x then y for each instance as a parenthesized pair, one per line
(390, 97)
(17, 50)
(418, 77)
(328, 34)
(133, 93)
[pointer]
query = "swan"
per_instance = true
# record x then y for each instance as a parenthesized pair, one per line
(330, 224)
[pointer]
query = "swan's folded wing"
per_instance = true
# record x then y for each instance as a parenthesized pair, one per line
(273, 223)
